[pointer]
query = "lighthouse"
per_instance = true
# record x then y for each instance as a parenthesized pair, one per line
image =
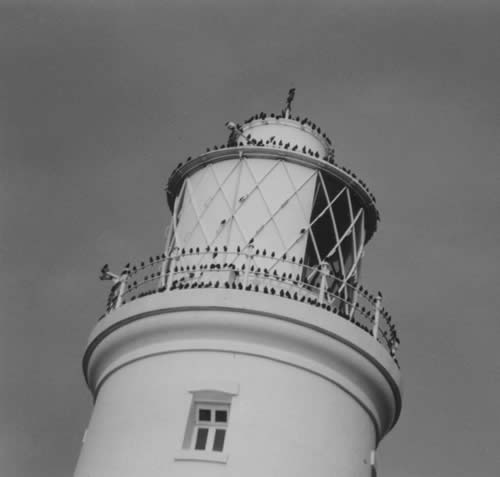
(250, 346)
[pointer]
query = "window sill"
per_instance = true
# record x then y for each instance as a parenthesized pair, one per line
(203, 456)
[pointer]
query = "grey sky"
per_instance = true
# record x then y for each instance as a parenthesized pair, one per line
(100, 100)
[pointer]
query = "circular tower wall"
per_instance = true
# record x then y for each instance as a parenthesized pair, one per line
(301, 394)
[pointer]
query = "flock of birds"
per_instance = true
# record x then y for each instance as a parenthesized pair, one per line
(303, 287)
(303, 122)
(273, 142)
(303, 290)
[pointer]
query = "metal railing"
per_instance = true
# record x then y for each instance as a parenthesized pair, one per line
(257, 272)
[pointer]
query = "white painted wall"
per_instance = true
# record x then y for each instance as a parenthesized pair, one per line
(284, 422)
(308, 402)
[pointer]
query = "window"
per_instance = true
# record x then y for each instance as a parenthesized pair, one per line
(210, 427)
(206, 433)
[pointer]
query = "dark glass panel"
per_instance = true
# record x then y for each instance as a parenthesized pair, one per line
(201, 438)
(204, 415)
(220, 435)
(220, 416)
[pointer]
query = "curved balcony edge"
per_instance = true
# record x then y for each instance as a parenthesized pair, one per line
(233, 321)
(233, 270)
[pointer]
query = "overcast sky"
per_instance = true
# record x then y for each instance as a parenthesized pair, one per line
(99, 100)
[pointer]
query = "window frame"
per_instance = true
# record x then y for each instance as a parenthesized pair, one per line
(218, 395)
(212, 425)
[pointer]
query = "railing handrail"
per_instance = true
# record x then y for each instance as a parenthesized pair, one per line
(330, 291)
(163, 258)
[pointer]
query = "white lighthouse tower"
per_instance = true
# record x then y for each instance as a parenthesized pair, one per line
(250, 346)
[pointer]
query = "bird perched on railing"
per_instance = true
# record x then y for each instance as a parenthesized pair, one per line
(106, 274)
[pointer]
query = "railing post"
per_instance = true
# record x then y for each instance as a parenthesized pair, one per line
(173, 259)
(163, 273)
(354, 300)
(122, 287)
(323, 283)
(249, 255)
(376, 321)
(394, 348)
(113, 295)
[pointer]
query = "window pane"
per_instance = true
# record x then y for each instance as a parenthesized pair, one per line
(220, 434)
(204, 415)
(220, 416)
(201, 439)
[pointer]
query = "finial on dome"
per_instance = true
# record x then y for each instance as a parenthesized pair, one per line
(289, 99)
